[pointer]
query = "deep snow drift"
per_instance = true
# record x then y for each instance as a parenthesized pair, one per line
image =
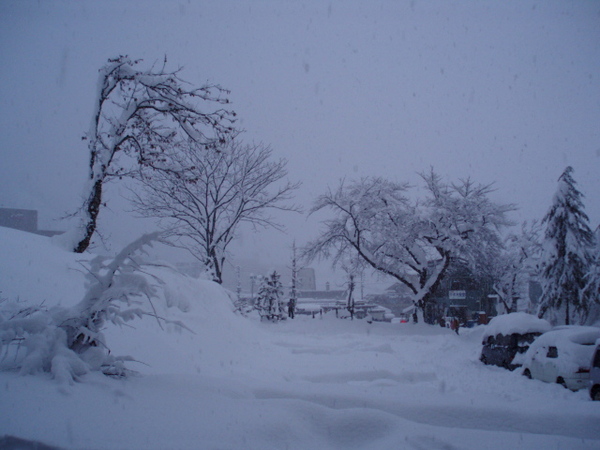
(308, 383)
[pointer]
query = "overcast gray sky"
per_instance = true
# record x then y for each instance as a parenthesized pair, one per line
(504, 91)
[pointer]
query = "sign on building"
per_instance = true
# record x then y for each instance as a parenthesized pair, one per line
(457, 295)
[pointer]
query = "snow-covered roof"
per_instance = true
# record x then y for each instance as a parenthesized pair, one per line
(380, 309)
(309, 307)
(518, 322)
(322, 295)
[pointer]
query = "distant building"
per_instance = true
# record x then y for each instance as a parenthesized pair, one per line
(310, 299)
(462, 290)
(326, 296)
(306, 279)
(24, 220)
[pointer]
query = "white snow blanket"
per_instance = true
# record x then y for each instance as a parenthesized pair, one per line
(305, 383)
(519, 322)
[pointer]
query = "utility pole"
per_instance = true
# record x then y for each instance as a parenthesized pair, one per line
(253, 279)
(239, 283)
(362, 285)
(350, 305)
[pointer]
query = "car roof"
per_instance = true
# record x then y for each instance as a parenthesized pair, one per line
(519, 322)
(576, 334)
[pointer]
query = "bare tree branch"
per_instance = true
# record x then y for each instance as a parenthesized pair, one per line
(141, 114)
(205, 195)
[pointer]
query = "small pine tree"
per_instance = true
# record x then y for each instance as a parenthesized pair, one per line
(270, 298)
(567, 245)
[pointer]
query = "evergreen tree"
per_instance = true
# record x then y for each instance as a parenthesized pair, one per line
(568, 242)
(592, 281)
(270, 298)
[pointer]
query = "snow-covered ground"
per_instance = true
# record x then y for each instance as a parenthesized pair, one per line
(236, 383)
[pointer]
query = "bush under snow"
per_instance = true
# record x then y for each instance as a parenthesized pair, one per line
(67, 341)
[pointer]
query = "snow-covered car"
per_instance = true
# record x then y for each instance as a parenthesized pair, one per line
(562, 355)
(507, 337)
(595, 374)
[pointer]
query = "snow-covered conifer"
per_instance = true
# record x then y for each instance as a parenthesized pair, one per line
(568, 241)
(270, 298)
(591, 290)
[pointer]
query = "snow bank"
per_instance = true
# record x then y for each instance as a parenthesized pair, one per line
(34, 270)
(518, 322)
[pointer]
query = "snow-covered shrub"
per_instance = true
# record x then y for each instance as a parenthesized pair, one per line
(67, 341)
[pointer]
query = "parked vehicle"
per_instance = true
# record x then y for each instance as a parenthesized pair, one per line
(562, 355)
(507, 337)
(595, 374)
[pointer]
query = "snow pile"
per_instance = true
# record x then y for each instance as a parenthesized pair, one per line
(33, 270)
(224, 381)
(519, 322)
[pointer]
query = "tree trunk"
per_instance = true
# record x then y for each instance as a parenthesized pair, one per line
(217, 271)
(92, 210)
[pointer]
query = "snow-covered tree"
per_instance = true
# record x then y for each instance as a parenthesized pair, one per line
(67, 341)
(592, 281)
(567, 245)
(206, 196)
(138, 115)
(270, 298)
(412, 242)
(516, 267)
(352, 266)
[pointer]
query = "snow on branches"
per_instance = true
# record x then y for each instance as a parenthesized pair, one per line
(411, 241)
(516, 267)
(567, 255)
(138, 115)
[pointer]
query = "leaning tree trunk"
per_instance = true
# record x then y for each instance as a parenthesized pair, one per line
(91, 214)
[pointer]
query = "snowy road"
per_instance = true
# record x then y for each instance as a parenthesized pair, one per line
(326, 384)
